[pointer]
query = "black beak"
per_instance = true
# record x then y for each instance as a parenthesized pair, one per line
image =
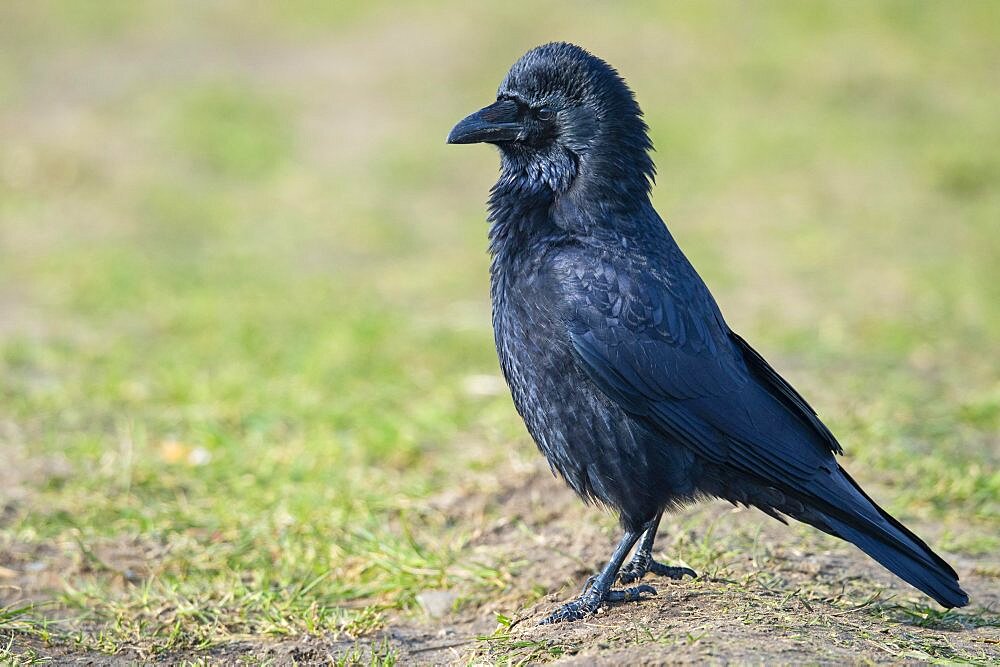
(493, 124)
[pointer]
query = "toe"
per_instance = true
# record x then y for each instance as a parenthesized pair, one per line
(630, 594)
(628, 575)
(572, 611)
(634, 570)
(671, 571)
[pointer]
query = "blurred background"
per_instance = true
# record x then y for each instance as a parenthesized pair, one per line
(245, 348)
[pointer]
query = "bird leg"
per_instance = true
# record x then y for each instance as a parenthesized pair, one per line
(642, 562)
(597, 590)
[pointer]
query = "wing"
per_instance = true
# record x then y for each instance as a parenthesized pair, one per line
(658, 346)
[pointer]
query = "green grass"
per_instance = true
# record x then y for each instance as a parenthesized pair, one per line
(243, 288)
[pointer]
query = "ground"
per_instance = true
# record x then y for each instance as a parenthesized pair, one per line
(249, 406)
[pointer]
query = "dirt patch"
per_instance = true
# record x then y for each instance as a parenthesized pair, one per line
(32, 573)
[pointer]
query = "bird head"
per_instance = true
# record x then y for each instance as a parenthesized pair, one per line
(565, 120)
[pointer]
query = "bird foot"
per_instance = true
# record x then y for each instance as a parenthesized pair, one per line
(642, 563)
(591, 600)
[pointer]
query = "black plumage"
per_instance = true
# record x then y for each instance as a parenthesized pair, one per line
(616, 354)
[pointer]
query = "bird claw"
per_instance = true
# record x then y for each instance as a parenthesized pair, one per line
(590, 601)
(637, 568)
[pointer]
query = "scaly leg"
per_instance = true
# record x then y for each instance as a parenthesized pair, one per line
(598, 588)
(642, 562)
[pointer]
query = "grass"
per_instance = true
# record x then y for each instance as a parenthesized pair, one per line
(244, 328)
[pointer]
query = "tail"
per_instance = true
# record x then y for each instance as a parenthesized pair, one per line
(844, 510)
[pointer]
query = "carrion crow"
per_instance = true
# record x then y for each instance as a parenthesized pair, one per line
(617, 356)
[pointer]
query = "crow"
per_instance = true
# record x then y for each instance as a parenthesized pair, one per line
(616, 354)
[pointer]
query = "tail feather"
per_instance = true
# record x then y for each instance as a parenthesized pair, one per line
(906, 564)
(849, 513)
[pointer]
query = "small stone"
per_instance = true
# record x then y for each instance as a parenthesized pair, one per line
(437, 603)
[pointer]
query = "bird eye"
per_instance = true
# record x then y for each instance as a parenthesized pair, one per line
(544, 113)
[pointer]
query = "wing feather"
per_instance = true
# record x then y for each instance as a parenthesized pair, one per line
(667, 357)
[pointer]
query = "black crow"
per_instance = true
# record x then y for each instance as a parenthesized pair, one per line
(616, 354)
